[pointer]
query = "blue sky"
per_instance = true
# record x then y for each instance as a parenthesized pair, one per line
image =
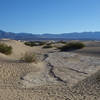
(50, 16)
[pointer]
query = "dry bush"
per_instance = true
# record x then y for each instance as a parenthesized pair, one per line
(72, 46)
(29, 57)
(63, 42)
(34, 43)
(5, 49)
(47, 46)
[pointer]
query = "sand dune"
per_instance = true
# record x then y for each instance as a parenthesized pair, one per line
(91, 49)
(56, 76)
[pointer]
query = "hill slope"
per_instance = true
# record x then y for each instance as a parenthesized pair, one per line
(64, 36)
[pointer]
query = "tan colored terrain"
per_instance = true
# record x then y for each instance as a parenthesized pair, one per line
(92, 49)
(56, 76)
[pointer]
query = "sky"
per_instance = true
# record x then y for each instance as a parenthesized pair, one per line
(49, 16)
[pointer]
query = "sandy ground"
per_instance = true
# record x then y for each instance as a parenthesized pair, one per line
(92, 49)
(57, 76)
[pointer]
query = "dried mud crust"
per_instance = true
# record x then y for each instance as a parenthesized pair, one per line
(71, 67)
(11, 87)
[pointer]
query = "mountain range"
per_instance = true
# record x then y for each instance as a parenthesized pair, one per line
(63, 36)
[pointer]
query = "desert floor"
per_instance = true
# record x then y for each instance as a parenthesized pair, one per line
(56, 76)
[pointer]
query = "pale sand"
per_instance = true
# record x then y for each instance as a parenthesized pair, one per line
(59, 76)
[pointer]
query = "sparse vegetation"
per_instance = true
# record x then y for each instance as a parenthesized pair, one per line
(29, 57)
(48, 46)
(72, 46)
(5, 49)
(63, 42)
(34, 43)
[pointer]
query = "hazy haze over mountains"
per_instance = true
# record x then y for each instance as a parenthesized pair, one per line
(47, 36)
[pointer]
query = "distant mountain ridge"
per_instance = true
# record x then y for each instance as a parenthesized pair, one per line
(63, 36)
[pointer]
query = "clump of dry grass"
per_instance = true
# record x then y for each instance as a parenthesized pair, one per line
(29, 57)
(5, 49)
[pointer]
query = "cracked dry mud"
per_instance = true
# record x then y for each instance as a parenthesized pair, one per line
(59, 76)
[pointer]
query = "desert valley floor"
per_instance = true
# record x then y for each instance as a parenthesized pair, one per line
(56, 76)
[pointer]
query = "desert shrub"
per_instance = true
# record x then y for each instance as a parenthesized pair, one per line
(42, 43)
(49, 45)
(5, 49)
(29, 57)
(34, 43)
(63, 42)
(31, 43)
(72, 46)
